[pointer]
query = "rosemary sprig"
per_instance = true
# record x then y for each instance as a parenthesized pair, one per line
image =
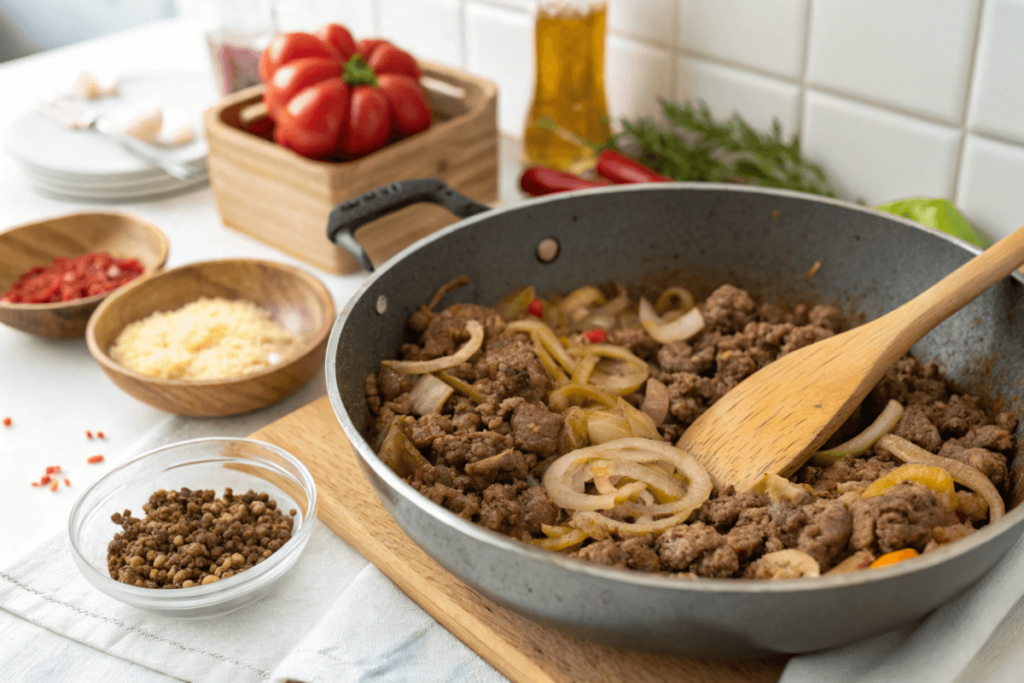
(697, 147)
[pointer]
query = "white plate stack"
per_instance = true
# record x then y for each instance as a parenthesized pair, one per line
(84, 164)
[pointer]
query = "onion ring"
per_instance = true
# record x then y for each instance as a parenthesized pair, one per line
(419, 367)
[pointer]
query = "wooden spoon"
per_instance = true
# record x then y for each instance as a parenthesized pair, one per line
(774, 420)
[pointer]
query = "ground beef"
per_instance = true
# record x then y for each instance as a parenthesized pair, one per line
(992, 465)
(697, 548)
(729, 309)
(902, 517)
(536, 429)
(516, 370)
(915, 427)
(636, 340)
(459, 449)
(537, 509)
(488, 454)
(632, 553)
(501, 510)
(447, 330)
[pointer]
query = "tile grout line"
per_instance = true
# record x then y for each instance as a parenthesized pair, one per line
(802, 96)
(968, 92)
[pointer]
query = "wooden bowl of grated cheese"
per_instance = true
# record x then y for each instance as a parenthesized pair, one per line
(213, 338)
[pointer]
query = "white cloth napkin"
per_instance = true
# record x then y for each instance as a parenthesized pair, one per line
(333, 618)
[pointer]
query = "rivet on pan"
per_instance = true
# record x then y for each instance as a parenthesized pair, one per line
(547, 250)
(382, 304)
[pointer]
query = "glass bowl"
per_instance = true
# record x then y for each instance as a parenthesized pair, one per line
(212, 463)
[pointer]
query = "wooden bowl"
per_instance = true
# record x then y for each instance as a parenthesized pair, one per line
(298, 302)
(36, 244)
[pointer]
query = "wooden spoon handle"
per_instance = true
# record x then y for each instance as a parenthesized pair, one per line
(920, 315)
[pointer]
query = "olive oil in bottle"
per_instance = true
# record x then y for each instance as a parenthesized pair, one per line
(569, 83)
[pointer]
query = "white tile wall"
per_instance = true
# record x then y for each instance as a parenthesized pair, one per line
(990, 190)
(893, 97)
(765, 35)
(760, 100)
(889, 155)
(997, 103)
(910, 54)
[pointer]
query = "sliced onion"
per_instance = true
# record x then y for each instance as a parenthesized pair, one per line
(428, 395)
(548, 339)
(516, 303)
(460, 386)
(616, 305)
(562, 542)
(419, 367)
(565, 481)
(961, 473)
(605, 425)
(574, 430)
(656, 401)
(789, 564)
(584, 296)
(546, 360)
(780, 489)
(685, 327)
(560, 398)
(671, 295)
(618, 372)
(597, 525)
(861, 559)
(584, 368)
(885, 423)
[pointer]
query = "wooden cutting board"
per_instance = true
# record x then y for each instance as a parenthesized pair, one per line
(517, 647)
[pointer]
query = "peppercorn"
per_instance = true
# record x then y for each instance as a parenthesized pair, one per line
(190, 538)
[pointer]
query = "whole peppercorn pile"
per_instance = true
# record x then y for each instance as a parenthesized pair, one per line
(190, 538)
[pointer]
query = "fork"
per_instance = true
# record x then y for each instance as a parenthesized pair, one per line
(75, 117)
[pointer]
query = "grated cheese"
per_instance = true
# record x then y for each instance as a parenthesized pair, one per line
(206, 339)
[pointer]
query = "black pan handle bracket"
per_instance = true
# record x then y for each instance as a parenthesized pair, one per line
(351, 215)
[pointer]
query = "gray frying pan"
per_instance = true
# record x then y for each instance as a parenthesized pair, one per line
(700, 235)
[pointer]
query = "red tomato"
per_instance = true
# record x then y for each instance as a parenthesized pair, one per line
(288, 46)
(338, 37)
(369, 122)
(294, 76)
(408, 107)
(387, 58)
(367, 46)
(315, 118)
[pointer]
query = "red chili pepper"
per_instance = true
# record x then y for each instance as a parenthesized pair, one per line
(75, 278)
(536, 308)
(95, 459)
(596, 335)
(7, 422)
(88, 434)
(621, 169)
(541, 180)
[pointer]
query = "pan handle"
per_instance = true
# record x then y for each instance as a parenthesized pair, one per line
(351, 215)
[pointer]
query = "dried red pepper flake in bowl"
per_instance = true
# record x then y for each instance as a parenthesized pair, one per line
(75, 278)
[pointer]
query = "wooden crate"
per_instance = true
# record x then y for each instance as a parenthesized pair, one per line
(274, 195)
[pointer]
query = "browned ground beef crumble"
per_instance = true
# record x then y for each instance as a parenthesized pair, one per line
(725, 536)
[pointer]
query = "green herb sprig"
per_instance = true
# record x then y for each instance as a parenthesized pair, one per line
(697, 147)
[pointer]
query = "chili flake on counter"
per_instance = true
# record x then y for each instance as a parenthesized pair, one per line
(69, 279)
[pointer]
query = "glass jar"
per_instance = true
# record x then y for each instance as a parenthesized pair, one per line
(569, 108)
(236, 33)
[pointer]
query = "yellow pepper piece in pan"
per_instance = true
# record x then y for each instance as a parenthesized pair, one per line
(935, 478)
